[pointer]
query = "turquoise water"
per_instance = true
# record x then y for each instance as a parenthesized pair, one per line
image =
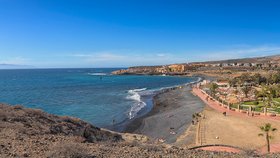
(90, 94)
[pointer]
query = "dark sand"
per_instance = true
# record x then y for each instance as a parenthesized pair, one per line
(172, 111)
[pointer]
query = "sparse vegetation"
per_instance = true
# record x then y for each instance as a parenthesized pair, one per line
(37, 141)
(69, 150)
(246, 90)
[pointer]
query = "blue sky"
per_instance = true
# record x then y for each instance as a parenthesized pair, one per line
(111, 33)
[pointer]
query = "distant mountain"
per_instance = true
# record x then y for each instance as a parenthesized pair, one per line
(15, 66)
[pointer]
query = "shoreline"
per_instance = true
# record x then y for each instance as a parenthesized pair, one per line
(130, 125)
(171, 114)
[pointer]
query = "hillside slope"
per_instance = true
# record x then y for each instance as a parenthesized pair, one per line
(32, 133)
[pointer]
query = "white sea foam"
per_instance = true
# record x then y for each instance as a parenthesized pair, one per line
(136, 97)
(97, 74)
(136, 108)
(198, 80)
(137, 90)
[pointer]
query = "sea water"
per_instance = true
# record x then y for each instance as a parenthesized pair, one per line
(93, 95)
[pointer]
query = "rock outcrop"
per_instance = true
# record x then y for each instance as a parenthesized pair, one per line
(36, 122)
(175, 69)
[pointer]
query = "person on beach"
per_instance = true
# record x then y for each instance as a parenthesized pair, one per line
(225, 113)
(113, 121)
(172, 132)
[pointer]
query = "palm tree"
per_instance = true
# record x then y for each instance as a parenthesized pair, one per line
(238, 98)
(233, 82)
(262, 92)
(225, 97)
(258, 79)
(246, 90)
(195, 117)
(277, 89)
(213, 87)
(267, 129)
(267, 96)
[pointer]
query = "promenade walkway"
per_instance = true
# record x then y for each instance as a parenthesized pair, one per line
(217, 106)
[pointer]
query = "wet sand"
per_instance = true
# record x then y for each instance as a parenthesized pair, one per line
(172, 112)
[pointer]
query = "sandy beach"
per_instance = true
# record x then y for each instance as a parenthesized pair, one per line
(170, 117)
(241, 130)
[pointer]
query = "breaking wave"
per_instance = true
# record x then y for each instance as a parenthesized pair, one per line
(136, 94)
(138, 103)
(97, 74)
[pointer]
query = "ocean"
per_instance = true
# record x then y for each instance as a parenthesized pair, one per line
(93, 95)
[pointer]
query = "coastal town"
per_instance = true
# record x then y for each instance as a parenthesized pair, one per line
(234, 65)
(249, 92)
(228, 68)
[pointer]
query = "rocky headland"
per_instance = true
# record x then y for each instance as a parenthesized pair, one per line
(220, 69)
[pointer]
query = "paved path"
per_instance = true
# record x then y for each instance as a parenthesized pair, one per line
(217, 106)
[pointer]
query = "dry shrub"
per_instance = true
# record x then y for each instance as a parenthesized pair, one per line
(69, 150)
(34, 112)
(152, 147)
(129, 143)
(72, 120)
(18, 107)
(250, 153)
(3, 115)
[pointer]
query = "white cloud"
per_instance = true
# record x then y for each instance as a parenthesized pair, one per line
(258, 51)
(161, 55)
(104, 56)
(133, 58)
(125, 58)
(15, 60)
(108, 59)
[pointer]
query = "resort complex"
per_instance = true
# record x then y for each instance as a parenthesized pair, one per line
(242, 102)
(249, 93)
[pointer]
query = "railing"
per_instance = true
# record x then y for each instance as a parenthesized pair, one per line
(240, 109)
